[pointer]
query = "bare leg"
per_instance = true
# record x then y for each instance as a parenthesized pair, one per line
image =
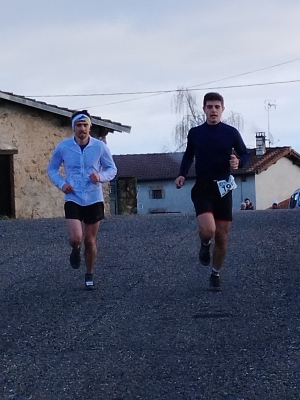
(90, 251)
(221, 241)
(74, 227)
(206, 226)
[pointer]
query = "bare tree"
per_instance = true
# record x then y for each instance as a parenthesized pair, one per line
(185, 103)
(236, 120)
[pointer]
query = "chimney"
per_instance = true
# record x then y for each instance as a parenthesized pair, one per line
(260, 143)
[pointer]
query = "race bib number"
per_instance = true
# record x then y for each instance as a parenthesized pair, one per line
(226, 186)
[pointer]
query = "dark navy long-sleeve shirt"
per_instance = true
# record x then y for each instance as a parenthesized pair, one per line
(211, 146)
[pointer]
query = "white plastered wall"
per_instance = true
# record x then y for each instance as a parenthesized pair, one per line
(278, 182)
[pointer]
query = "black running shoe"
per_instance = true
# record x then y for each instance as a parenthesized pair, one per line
(214, 281)
(89, 282)
(75, 258)
(204, 254)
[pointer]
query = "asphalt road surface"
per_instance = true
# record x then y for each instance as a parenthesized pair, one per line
(152, 329)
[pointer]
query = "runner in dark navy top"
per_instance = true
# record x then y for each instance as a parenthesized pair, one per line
(212, 144)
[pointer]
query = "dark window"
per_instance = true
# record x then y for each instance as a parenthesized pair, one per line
(157, 194)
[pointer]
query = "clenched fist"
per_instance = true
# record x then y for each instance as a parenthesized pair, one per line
(234, 162)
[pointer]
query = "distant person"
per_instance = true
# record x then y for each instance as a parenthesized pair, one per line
(243, 206)
(275, 205)
(211, 145)
(249, 204)
(87, 164)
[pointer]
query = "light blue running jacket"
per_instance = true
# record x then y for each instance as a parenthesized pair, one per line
(78, 165)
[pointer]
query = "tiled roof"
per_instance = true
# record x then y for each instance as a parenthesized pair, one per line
(282, 204)
(259, 164)
(150, 166)
(166, 165)
(111, 125)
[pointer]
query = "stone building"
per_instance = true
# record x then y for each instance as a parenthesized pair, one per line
(29, 131)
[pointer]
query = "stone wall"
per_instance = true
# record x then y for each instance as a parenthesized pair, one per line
(34, 134)
(127, 195)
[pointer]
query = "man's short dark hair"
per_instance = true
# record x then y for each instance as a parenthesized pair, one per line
(213, 96)
(85, 112)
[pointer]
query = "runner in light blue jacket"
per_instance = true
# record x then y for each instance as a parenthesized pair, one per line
(78, 166)
(87, 164)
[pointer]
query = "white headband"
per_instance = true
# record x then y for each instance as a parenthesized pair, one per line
(81, 117)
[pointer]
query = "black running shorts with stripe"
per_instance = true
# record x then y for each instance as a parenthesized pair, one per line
(88, 214)
(206, 198)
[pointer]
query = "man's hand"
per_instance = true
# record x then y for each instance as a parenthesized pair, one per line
(234, 162)
(67, 188)
(179, 182)
(95, 177)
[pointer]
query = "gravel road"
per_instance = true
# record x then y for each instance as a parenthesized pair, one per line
(152, 329)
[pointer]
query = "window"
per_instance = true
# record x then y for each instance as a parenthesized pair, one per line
(157, 192)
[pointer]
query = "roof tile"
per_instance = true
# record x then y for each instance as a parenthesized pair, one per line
(155, 166)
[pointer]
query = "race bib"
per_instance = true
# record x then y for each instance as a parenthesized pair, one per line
(226, 186)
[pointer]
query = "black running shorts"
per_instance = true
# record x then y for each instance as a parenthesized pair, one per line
(88, 214)
(206, 198)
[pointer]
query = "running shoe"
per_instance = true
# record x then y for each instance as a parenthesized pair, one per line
(89, 282)
(204, 254)
(214, 281)
(75, 258)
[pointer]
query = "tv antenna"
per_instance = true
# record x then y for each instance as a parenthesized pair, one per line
(268, 105)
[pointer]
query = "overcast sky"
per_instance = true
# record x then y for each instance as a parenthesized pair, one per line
(64, 47)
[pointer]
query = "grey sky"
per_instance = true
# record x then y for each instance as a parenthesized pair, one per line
(96, 46)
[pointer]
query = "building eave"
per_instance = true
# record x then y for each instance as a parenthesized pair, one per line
(113, 126)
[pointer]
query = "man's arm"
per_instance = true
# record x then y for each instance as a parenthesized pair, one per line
(108, 168)
(242, 151)
(188, 157)
(53, 167)
(186, 162)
